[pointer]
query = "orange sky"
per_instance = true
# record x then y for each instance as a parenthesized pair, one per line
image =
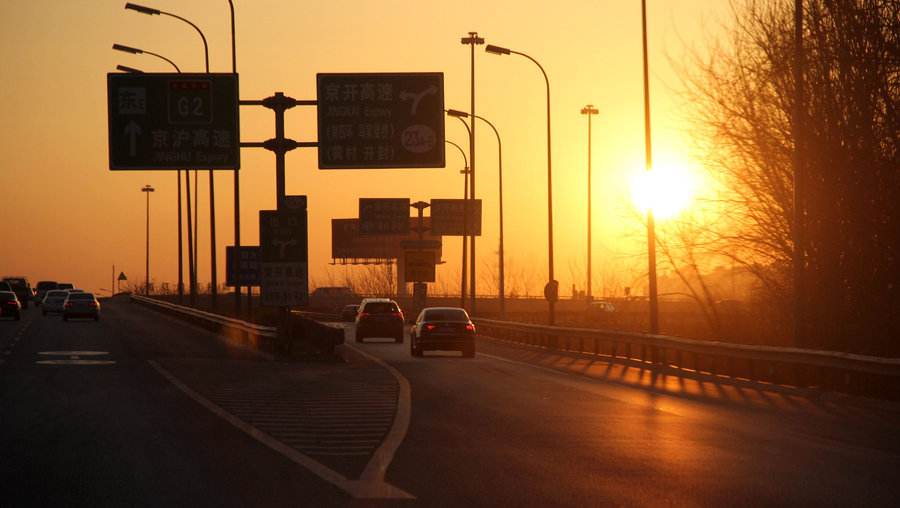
(68, 217)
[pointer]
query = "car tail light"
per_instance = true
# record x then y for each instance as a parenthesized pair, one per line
(363, 314)
(68, 305)
(470, 327)
(397, 314)
(429, 327)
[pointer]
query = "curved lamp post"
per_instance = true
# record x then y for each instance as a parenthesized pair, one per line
(469, 174)
(551, 300)
(502, 288)
(137, 51)
(212, 199)
(465, 171)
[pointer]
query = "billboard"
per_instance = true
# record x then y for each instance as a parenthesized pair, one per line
(348, 244)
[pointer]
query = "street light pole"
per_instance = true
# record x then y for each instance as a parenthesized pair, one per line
(651, 227)
(136, 51)
(551, 291)
(501, 289)
(590, 111)
(472, 40)
(237, 187)
(212, 198)
(799, 226)
(468, 194)
(147, 190)
(465, 171)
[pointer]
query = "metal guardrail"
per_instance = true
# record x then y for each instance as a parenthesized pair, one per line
(782, 365)
(233, 328)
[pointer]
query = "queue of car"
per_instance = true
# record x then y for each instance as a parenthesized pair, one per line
(53, 297)
(435, 328)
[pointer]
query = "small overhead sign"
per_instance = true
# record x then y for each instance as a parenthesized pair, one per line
(419, 266)
(376, 120)
(173, 121)
(383, 216)
(447, 217)
(242, 265)
(283, 258)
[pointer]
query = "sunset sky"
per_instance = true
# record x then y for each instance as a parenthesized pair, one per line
(67, 217)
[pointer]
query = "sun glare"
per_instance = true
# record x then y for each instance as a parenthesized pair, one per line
(667, 189)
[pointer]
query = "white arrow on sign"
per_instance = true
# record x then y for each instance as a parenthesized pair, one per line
(132, 130)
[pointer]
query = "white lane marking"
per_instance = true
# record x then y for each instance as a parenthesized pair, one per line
(71, 353)
(378, 464)
(74, 358)
(75, 362)
(359, 489)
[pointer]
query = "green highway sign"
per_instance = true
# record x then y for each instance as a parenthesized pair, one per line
(377, 120)
(173, 121)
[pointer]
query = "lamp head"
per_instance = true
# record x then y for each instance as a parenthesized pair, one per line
(141, 8)
(127, 49)
(496, 50)
(131, 70)
(457, 113)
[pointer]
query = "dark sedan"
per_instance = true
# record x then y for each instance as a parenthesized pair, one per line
(443, 329)
(81, 305)
(9, 305)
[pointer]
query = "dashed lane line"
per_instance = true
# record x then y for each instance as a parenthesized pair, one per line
(369, 486)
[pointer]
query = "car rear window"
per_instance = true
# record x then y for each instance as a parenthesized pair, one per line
(446, 315)
(56, 293)
(81, 296)
(381, 307)
(6, 296)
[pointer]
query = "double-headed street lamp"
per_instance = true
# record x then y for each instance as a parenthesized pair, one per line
(472, 40)
(136, 51)
(501, 290)
(465, 171)
(212, 199)
(590, 111)
(147, 190)
(551, 291)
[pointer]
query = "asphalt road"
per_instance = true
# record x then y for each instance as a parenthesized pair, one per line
(496, 433)
(508, 428)
(120, 434)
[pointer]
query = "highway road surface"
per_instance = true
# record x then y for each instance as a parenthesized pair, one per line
(140, 409)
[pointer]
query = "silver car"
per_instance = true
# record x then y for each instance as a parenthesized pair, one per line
(53, 301)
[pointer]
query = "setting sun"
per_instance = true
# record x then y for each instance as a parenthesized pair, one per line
(667, 189)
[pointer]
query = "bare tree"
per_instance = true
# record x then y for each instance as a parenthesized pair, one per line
(851, 134)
